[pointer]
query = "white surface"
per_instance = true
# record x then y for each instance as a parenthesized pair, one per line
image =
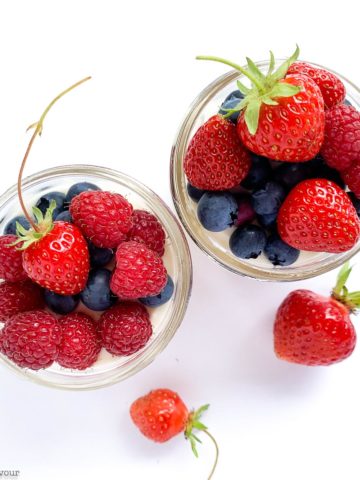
(273, 420)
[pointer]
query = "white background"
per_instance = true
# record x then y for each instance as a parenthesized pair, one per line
(273, 420)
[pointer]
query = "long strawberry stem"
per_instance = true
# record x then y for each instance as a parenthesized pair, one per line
(38, 126)
(216, 453)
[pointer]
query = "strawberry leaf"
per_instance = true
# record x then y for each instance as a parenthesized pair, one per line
(244, 90)
(252, 113)
(271, 64)
(284, 90)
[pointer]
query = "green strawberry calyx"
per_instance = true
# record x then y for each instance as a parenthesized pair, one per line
(340, 293)
(265, 89)
(194, 423)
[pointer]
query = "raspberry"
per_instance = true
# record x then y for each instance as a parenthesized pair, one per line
(139, 272)
(19, 297)
(103, 217)
(125, 328)
(351, 177)
(341, 144)
(148, 230)
(11, 268)
(80, 344)
(31, 339)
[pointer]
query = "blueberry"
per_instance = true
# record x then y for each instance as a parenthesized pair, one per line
(194, 193)
(290, 174)
(268, 199)
(279, 252)
(355, 202)
(163, 297)
(259, 173)
(61, 303)
(230, 102)
(44, 202)
(246, 213)
(97, 295)
(319, 169)
(78, 188)
(248, 241)
(64, 217)
(99, 257)
(268, 221)
(10, 228)
(217, 211)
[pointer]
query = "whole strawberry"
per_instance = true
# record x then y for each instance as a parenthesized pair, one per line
(148, 230)
(139, 272)
(80, 341)
(332, 88)
(318, 216)
(215, 158)
(11, 268)
(281, 116)
(341, 145)
(19, 297)
(31, 339)
(104, 217)
(311, 329)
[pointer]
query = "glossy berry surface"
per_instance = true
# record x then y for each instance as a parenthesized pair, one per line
(31, 339)
(268, 199)
(97, 294)
(61, 304)
(147, 229)
(11, 268)
(260, 172)
(267, 221)
(279, 252)
(44, 202)
(100, 257)
(64, 217)
(194, 193)
(217, 211)
(78, 188)
(248, 241)
(125, 328)
(245, 213)
(10, 228)
(163, 297)
(19, 297)
(230, 102)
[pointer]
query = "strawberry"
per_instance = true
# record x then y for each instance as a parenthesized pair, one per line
(139, 272)
(351, 177)
(19, 297)
(281, 116)
(315, 330)
(341, 145)
(11, 268)
(332, 88)
(318, 215)
(103, 217)
(215, 158)
(148, 230)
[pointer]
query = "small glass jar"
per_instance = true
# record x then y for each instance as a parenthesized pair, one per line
(165, 319)
(216, 245)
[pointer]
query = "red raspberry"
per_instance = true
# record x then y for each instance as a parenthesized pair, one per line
(80, 344)
(125, 328)
(103, 217)
(341, 144)
(139, 272)
(11, 268)
(19, 297)
(31, 339)
(351, 177)
(148, 230)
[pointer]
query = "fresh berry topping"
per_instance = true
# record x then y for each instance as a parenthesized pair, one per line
(355, 201)
(64, 217)
(148, 230)
(290, 174)
(19, 297)
(268, 221)
(11, 268)
(268, 199)
(100, 257)
(139, 272)
(78, 188)
(351, 177)
(318, 216)
(163, 297)
(217, 211)
(31, 339)
(104, 217)
(259, 173)
(230, 102)
(215, 158)
(248, 241)
(341, 145)
(44, 203)
(97, 295)
(62, 304)
(279, 252)
(125, 328)
(194, 193)
(10, 228)
(246, 213)
(332, 88)
(80, 343)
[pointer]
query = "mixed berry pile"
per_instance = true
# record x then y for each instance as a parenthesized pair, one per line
(81, 280)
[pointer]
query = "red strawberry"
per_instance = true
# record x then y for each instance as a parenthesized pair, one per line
(103, 217)
(351, 177)
(11, 268)
(31, 339)
(215, 158)
(19, 297)
(314, 330)
(318, 215)
(332, 88)
(139, 272)
(148, 230)
(125, 328)
(80, 343)
(281, 117)
(341, 145)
